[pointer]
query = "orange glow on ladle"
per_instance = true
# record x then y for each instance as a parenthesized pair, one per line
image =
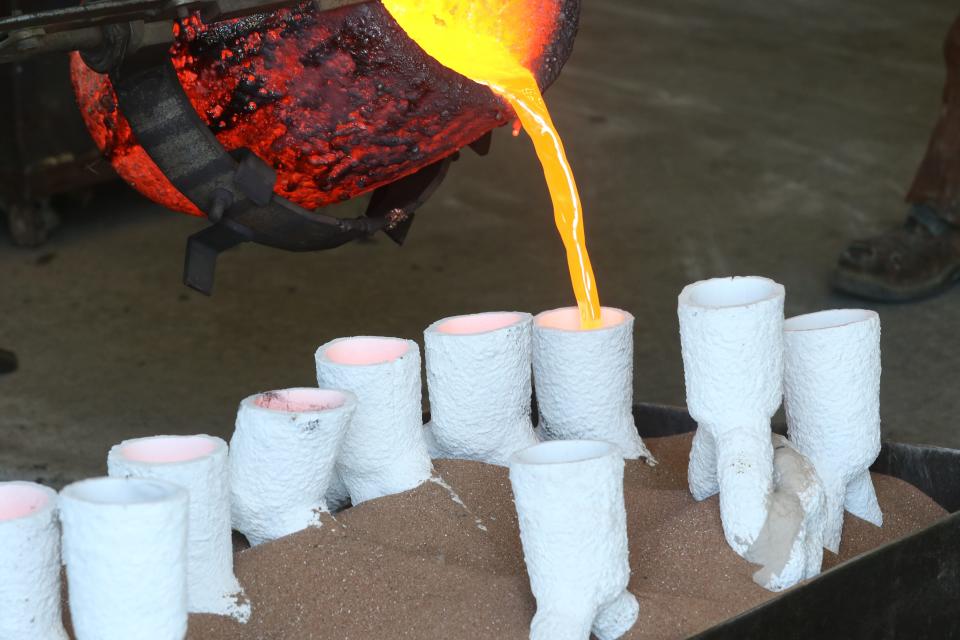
(479, 39)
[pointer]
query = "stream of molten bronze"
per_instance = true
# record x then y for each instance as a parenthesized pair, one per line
(483, 40)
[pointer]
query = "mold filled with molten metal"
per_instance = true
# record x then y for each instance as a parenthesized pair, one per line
(480, 40)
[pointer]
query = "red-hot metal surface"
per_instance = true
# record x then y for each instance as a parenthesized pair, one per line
(338, 102)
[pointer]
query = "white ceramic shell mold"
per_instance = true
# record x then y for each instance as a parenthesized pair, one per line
(790, 545)
(29, 563)
(731, 335)
(569, 500)
(478, 379)
(283, 454)
(584, 379)
(384, 450)
(198, 464)
(832, 390)
(125, 549)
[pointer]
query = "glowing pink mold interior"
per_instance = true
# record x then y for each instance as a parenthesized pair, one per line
(167, 449)
(479, 323)
(568, 318)
(300, 400)
(366, 351)
(18, 500)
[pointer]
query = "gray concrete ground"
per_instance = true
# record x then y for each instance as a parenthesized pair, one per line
(709, 138)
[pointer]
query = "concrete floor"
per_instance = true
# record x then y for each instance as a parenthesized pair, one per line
(708, 138)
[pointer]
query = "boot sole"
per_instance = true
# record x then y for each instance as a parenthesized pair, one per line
(860, 286)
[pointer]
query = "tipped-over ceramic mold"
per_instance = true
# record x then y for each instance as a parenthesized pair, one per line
(29, 563)
(478, 378)
(584, 379)
(569, 499)
(790, 545)
(125, 549)
(282, 458)
(832, 391)
(198, 464)
(384, 451)
(731, 335)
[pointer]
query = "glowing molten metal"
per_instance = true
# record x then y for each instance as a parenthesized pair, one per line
(484, 41)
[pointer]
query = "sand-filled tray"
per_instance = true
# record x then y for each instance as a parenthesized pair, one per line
(445, 561)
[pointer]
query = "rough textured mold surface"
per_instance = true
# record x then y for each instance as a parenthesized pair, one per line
(790, 545)
(569, 499)
(584, 379)
(832, 389)
(282, 459)
(384, 450)
(125, 549)
(338, 102)
(731, 336)
(478, 379)
(29, 563)
(199, 465)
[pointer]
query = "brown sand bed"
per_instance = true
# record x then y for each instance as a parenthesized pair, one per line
(420, 565)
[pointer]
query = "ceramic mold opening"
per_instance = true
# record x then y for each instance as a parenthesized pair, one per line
(830, 319)
(21, 499)
(564, 452)
(119, 491)
(302, 400)
(168, 449)
(733, 292)
(366, 350)
(568, 318)
(479, 322)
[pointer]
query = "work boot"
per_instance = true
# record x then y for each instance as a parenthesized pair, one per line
(917, 260)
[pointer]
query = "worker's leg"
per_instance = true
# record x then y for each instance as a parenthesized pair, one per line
(922, 257)
(938, 179)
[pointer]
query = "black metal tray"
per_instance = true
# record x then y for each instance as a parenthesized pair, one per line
(906, 589)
